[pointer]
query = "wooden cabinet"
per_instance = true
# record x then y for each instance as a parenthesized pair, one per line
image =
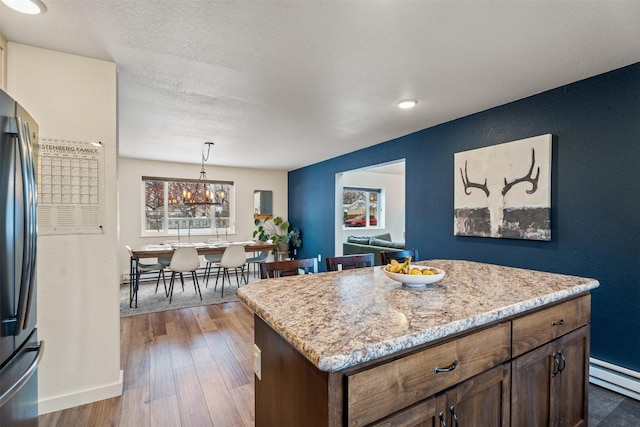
(384, 389)
(529, 370)
(550, 383)
(291, 391)
(533, 330)
(550, 374)
(422, 414)
(484, 397)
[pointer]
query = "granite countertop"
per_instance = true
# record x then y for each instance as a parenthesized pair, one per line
(341, 319)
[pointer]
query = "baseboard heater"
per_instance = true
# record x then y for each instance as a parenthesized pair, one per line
(153, 276)
(615, 378)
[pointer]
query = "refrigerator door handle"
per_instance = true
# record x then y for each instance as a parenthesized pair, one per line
(10, 130)
(25, 295)
(33, 221)
(11, 391)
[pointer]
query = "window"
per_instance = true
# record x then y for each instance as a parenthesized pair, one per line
(361, 207)
(167, 212)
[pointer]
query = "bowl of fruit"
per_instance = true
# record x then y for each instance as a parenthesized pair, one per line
(412, 276)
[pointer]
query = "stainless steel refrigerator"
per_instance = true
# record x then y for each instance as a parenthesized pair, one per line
(20, 351)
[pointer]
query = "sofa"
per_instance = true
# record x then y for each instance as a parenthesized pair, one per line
(371, 244)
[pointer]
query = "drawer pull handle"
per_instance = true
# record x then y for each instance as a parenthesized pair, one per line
(558, 323)
(455, 416)
(442, 421)
(448, 368)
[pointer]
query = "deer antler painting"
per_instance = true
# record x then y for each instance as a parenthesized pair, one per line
(504, 190)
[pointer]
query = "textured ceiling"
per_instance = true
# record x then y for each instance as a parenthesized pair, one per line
(286, 84)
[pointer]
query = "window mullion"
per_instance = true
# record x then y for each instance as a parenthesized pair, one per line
(165, 222)
(366, 209)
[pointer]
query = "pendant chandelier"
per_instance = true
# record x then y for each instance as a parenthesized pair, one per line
(202, 194)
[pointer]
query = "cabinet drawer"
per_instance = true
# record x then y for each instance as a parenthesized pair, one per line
(421, 414)
(536, 329)
(384, 389)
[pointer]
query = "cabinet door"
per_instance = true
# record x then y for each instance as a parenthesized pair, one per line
(483, 400)
(570, 400)
(531, 387)
(550, 383)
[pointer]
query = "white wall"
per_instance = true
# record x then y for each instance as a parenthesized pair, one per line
(3, 63)
(74, 98)
(246, 181)
(394, 206)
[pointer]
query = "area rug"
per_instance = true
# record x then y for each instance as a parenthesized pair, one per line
(150, 302)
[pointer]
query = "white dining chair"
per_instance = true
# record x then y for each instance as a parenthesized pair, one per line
(166, 260)
(184, 260)
(234, 256)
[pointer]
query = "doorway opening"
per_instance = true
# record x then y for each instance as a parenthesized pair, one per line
(370, 201)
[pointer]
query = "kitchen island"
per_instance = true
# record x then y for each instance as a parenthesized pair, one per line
(507, 346)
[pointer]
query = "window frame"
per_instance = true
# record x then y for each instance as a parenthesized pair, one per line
(165, 231)
(379, 209)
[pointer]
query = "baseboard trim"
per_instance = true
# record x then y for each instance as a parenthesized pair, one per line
(615, 378)
(59, 403)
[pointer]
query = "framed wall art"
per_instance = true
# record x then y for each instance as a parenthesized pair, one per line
(504, 190)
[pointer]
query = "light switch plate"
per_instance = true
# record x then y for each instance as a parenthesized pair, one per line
(257, 361)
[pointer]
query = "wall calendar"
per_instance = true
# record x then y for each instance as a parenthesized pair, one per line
(70, 187)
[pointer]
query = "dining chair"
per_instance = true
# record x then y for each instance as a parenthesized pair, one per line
(142, 268)
(166, 260)
(184, 260)
(256, 261)
(235, 257)
(400, 256)
(348, 262)
(212, 260)
(291, 267)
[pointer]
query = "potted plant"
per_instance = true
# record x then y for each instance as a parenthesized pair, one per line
(277, 230)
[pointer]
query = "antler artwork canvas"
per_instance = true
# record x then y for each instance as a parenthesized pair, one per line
(504, 190)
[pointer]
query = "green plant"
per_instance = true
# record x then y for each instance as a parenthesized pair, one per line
(277, 230)
(293, 238)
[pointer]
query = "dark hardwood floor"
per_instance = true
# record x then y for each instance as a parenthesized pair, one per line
(194, 367)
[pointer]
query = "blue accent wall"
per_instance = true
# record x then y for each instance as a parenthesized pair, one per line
(595, 217)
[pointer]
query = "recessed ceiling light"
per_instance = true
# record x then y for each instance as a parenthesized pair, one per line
(407, 103)
(30, 7)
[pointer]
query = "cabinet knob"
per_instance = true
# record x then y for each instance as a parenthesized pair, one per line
(557, 323)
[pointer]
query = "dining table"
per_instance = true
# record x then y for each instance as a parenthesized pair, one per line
(165, 250)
